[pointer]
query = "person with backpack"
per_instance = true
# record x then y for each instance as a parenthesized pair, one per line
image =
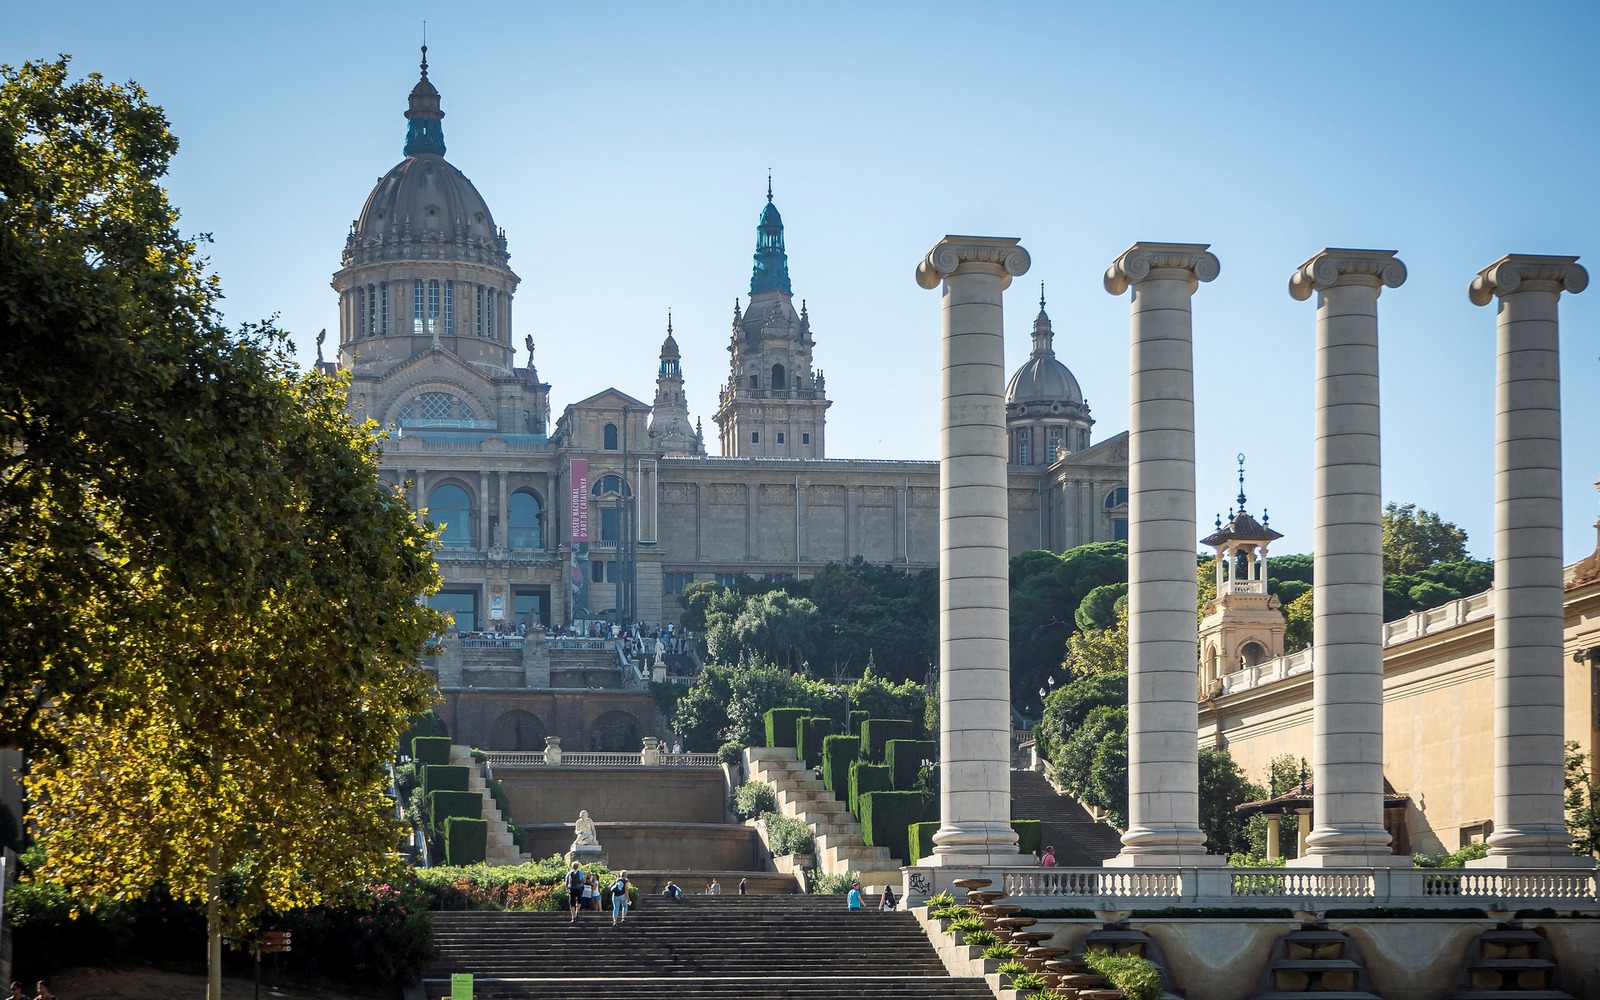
(619, 899)
(575, 883)
(887, 903)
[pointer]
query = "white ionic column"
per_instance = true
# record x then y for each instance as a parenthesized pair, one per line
(1529, 820)
(974, 554)
(1163, 719)
(1347, 693)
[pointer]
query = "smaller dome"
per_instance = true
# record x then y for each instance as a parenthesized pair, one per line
(1043, 380)
(669, 347)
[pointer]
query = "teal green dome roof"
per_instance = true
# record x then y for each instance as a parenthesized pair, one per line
(771, 271)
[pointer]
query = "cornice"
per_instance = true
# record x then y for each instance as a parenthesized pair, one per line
(1144, 261)
(1522, 271)
(1339, 266)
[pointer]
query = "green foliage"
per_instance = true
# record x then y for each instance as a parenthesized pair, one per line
(1456, 859)
(1013, 968)
(1222, 787)
(946, 912)
(1046, 590)
(666, 696)
(811, 731)
(1100, 651)
(443, 805)
(838, 753)
(857, 717)
(1067, 707)
(1093, 762)
(967, 922)
(731, 753)
(1025, 980)
(1414, 539)
(875, 733)
(729, 703)
(884, 699)
(1582, 801)
(787, 835)
(772, 627)
(445, 778)
(828, 884)
(867, 778)
(877, 612)
(886, 818)
(1434, 585)
(1244, 859)
(1030, 835)
(782, 725)
(981, 938)
(753, 798)
(919, 843)
(1099, 607)
(904, 758)
(695, 600)
(466, 841)
(1137, 978)
(1298, 618)
(940, 899)
(1000, 952)
(431, 750)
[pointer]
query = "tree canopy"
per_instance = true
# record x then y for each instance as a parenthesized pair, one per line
(210, 598)
(1414, 539)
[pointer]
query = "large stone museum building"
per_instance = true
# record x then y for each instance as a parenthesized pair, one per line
(612, 506)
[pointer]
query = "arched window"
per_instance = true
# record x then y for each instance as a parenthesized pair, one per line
(1117, 498)
(1251, 654)
(526, 520)
(451, 510)
(778, 379)
(607, 485)
(436, 408)
(611, 437)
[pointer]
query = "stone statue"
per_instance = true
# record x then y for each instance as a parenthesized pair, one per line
(322, 335)
(583, 829)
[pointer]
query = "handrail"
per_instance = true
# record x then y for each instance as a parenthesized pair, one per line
(536, 758)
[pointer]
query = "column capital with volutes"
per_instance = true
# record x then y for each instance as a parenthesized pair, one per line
(1527, 272)
(1001, 255)
(1336, 266)
(1144, 261)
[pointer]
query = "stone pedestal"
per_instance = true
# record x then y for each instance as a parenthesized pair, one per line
(1347, 698)
(585, 854)
(650, 754)
(1274, 825)
(552, 750)
(1529, 819)
(974, 553)
(1163, 760)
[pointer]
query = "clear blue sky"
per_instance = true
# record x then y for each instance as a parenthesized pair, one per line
(624, 148)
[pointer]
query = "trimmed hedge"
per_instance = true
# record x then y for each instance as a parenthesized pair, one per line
(919, 837)
(442, 806)
(875, 733)
(810, 732)
(466, 841)
(838, 753)
(431, 749)
(866, 778)
(857, 717)
(886, 818)
(781, 725)
(445, 778)
(905, 758)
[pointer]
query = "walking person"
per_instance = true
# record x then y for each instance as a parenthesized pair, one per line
(1048, 860)
(888, 902)
(853, 899)
(575, 885)
(591, 893)
(744, 888)
(44, 992)
(715, 888)
(619, 899)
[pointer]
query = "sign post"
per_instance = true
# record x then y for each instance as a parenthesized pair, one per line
(461, 986)
(271, 941)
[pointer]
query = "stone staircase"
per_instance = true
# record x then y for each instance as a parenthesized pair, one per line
(800, 794)
(704, 948)
(501, 849)
(1079, 840)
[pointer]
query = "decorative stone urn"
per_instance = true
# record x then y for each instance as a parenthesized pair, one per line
(552, 750)
(650, 756)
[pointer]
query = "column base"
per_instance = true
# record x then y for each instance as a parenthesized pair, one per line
(1350, 861)
(1166, 859)
(975, 842)
(1567, 861)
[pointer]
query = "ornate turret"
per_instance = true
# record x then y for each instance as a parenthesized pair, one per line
(773, 403)
(425, 135)
(1244, 625)
(669, 415)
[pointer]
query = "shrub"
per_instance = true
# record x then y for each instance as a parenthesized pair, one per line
(886, 818)
(810, 732)
(876, 733)
(1026, 980)
(431, 749)
(1030, 834)
(905, 758)
(753, 798)
(780, 725)
(968, 921)
(979, 939)
(731, 753)
(856, 719)
(941, 899)
(443, 805)
(866, 778)
(835, 884)
(1458, 859)
(999, 951)
(1013, 968)
(1137, 978)
(919, 842)
(947, 912)
(787, 835)
(838, 753)
(466, 841)
(445, 778)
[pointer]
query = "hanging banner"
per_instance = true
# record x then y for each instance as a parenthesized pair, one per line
(579, 505)
(578, 535)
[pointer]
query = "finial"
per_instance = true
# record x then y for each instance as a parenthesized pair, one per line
(669, 321)
(802, 308)
(424, 50)
(1041, 296)
(1241, 482)
(769, 185)
(1219, 522)
(1265, 517)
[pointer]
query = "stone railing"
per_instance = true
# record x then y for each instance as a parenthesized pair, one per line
(493, 642)
(535, 758)
(569, 642)
(1319, 889)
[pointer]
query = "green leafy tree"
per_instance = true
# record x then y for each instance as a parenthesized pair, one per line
(1093, 762)
(1099, 607)
(1297, 616)
(777, 628)
(1100, 651)
(1223, 787)
(1046, 590)
(211, 598)
(1066, 707)
(1582, 801)
(1414, 539)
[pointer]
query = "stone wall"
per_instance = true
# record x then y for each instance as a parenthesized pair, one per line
(633, 794)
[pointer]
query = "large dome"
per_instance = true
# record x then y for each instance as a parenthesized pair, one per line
(1043, 380)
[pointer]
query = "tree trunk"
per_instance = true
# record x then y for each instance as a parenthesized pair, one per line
(214, 928)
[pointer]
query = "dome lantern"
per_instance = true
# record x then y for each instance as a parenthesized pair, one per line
(425, 133)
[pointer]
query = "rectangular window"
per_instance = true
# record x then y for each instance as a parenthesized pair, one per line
(416, 308)
(532, 607)
(780, 437)
(1119, 529)
(479, 314)
(449, 307)
(361, 311)
(372, 310)
(755, 437)
(462, 605)
(726, 579)
(489, 318)
(597, 571)
(433, 306)
(383, 292)
(805, 439)
(676, 583)
(610, 524)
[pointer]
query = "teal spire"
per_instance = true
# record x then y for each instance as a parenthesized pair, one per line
(425, 133)
(771, 272)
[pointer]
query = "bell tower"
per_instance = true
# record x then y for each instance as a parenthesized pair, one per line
(1244, 625)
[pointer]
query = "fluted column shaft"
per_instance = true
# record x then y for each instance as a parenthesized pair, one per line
(1529, 816)
(1347, 695)
(1163, 767)
(974, 553)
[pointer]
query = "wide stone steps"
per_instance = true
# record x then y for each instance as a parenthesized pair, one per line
(840, 849)
(1079, 840)
(703, 948)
